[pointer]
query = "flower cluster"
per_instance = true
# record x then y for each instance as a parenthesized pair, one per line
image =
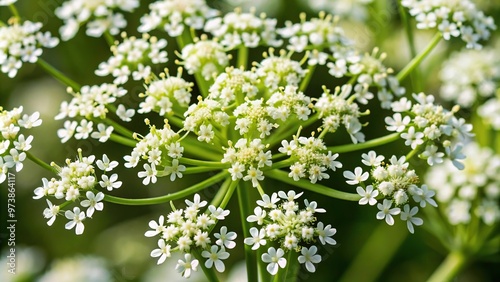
(100, 16)
(238, 28)
(357, 10)
(396, 183)
(280, 220)
(166, 95)
(475, 192)
(309, 158)
(188, 231)
(234, 84)
(279, 71)
(134, 57)
(76, 178)
(490, 113)
(247, 156)
(22, 43)
(430, 125)
(318, 33)
(205, 57)
(174, 15)
(470, 75)
(13, 146)
(458, 18)
(160, 148)
(90, 103)
(339, 108)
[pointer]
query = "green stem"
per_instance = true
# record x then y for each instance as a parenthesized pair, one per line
(14, 11)
(368, 144)
(58, 75)
(415, 75)
(119, 128)
(122, 140)
(314, 187)
(242, 56)
(419, 58)
(307, 78)
(197, 148)
(199, 169)
(219, 197)
(203, 163)
(250, 255)
(41, 163)
(384, 241)
(449, 268)
(412, 153)
(109, 38)
(170, 197)
(229, 194)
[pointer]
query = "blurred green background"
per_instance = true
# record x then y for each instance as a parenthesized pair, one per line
(116, 234)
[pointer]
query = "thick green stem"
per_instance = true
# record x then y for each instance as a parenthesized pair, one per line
(119, 128)
(307, 78)
(58, 75)
(122, 140)
(14, 11)
(189, 161)
(368, 144)
(416, 75)
(384, 241)
(242, 56)
(419, 58)
(170, 197)
(314, 187)
(449, 268)
(201, 149)
(250, 255)
(41, 163)
(109, 38)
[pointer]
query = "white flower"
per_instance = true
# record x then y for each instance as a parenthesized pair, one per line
(397, 122)
(218, 213)
(15, 159)
(424, 196)
(124, 114)
(93, 202)
(257, 238)
(68, 131)
(259, 216)
(105, 164)
(275, 259)
(371, 159)
(103, 133)
(149, 174)
(408, 215)
(432, 155)
(186, 266)
(255, 175)
(30, 121)
(368, 196)
(175, 170)
(215, 257)
(157, 227)
(22, 144)
(84, 129)
(50, 212)
(225, 238)
(357, 177)
(309, 257)
(268, 202)
(325, 233)
(163, 252)
(111, 183)
(196, 203)
(7, 2)
(76, 217)
(386, 212)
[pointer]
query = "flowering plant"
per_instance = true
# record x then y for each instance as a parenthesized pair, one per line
(257, 126)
